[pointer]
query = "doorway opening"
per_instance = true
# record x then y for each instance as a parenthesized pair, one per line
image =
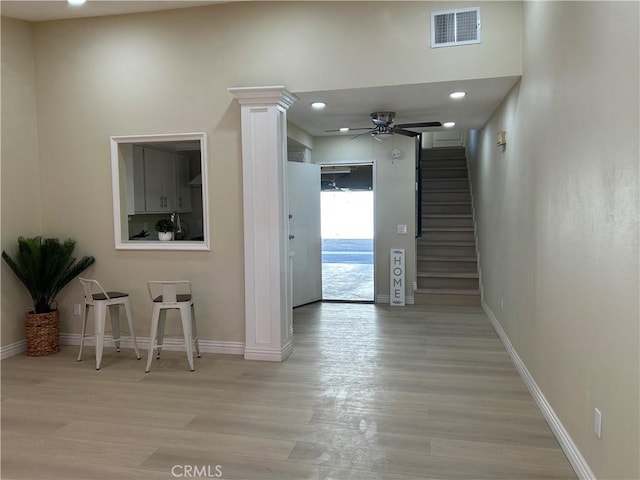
(347, 233)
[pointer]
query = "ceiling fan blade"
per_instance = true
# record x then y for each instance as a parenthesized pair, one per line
(420, 125)
(361, 134)
(406, 133)
(350, 129)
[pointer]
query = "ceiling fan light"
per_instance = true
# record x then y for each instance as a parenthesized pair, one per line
(344, 129)
(457, 95)
(382, 136)
(449, 124)
(318, 105)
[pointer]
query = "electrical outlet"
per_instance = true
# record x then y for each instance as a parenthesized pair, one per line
(597, 423)
(76, 309)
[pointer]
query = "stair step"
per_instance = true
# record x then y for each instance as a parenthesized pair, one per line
(446, 208)
(441, 188)
(447, 164)
(445, 219)
(443, 152)
(446, 299)
(458, 161)
(448, 283)
(445, 167)
(443, 158)
(450, 236)
(446, 190)
(445, 258)
(456, 195)
(448, 291)
(445, 243)
(448, 274)
(461, 264)
(449, 249)
(442, 173)
(455, 181)
(447, 229)
(461, 179)
(454, 173)
(446, 194)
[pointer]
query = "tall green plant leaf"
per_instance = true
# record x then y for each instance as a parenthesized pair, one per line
(45, 267)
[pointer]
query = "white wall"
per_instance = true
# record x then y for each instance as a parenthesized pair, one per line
(558, 214)
(21, 210)
(394, 201)
(299, 135)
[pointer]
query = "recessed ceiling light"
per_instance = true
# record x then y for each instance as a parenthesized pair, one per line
(344, 129)
(318, 105)
(75, 3)
(457, 95)
(449, 124)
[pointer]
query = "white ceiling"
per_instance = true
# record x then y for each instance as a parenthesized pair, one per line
(345, 108)
(38, 11)
(412, 104)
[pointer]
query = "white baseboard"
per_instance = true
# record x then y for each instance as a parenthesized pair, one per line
(570, 449)
(269, 355)
(13, 349)
(177, 344)
(408, 300)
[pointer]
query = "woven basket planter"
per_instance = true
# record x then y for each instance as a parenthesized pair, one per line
(43, 333)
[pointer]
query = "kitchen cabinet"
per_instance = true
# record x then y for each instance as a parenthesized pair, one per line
(183, 190)
(160, 181)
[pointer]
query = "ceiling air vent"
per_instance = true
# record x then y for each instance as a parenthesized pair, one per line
(455, 27)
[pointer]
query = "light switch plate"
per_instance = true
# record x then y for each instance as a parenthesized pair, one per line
(402, 229)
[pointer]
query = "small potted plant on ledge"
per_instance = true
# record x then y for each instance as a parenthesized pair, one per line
(165, 228)
(45, 267)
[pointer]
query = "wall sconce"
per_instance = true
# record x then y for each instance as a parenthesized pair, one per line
(502, 139)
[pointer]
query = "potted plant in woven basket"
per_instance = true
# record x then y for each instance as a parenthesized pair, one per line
(45, 267)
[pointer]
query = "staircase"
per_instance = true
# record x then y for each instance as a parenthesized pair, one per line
(447, 263)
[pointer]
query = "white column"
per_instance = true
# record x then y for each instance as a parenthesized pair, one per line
(268, 305)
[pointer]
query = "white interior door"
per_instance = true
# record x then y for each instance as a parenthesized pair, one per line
(303, 183)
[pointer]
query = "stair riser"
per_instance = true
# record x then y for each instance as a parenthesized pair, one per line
(446, 196)
(447, 222)
(448, 163)
(444, 184)
(446, 300)
(443, 282)
(447, 209)
(446, 266)
(429, 173)
(446, 250)
(449, 236)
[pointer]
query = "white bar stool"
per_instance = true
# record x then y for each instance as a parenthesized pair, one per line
(172, 295)
(100, 301)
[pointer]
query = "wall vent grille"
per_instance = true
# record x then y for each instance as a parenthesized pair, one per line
(455, 27)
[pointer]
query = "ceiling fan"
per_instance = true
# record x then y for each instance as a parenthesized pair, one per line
(383, 127)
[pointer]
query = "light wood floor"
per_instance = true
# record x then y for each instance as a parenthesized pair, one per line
(370, 392)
